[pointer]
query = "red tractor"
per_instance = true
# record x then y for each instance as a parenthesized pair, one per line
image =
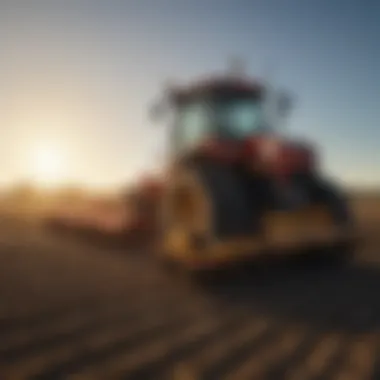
(236, 188)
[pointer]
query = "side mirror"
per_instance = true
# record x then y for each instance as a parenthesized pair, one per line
(159, 110)
(162, 107)
(284, 104)
(155, 111)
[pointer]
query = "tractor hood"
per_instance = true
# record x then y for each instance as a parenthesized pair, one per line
(278, 155)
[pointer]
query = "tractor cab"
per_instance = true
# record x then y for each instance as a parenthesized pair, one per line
(222, 109)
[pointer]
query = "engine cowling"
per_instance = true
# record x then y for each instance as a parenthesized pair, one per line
(279, 157)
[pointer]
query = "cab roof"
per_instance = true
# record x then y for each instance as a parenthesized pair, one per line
(219, 86)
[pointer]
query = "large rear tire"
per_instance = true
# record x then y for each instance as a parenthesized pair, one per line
(206, 202)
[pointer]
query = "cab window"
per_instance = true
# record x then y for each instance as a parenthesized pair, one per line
(193, 124)
(239, 119)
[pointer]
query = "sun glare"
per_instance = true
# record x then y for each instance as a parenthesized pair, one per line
(47, 166)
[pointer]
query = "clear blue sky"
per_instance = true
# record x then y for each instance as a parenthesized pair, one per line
(81, 74)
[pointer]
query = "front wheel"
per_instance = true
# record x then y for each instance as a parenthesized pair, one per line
(326, 194)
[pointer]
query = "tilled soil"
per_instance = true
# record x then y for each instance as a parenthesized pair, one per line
(70, 310)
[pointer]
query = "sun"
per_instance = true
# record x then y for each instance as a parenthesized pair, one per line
(48, 166)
